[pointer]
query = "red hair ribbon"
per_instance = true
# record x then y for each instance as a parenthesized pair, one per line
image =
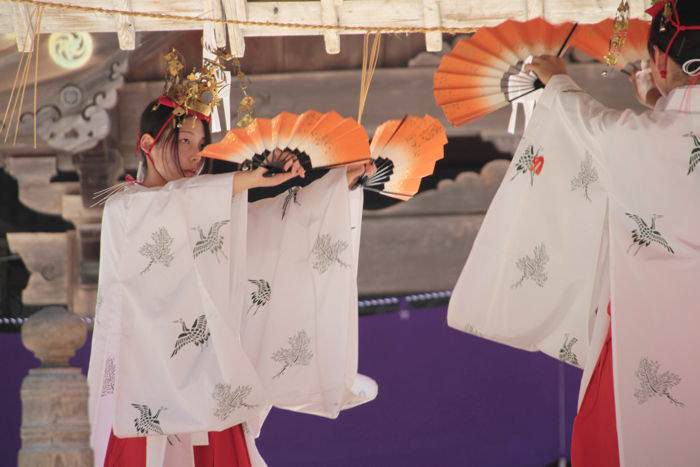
(168, 102)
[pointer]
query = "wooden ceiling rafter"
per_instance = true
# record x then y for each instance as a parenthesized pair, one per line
(328, 18)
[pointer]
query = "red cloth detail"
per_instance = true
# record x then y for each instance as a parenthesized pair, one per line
(656, 8)
(594, 438)
(226, 449)
(537, 165)
(168, 102)
(125, 452)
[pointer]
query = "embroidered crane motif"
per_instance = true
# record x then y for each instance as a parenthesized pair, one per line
(472, 330)
(198, 334)
(652, 384)
(695, 152)
(587, 176)
(159, 250)
(645, 234)
(533, 267)
(212, 242)
(327, 252)
(147, 422)
(292, 195)
(529, 161)
(227, 400)
(566, 353)
(261, 296)
(108, 378)
(297, 354)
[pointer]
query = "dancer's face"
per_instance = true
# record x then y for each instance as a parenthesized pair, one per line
(177, 156)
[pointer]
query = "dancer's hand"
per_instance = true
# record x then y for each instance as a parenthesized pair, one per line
(257, 179)
(644, 88)
(546, 66)
(355, 171)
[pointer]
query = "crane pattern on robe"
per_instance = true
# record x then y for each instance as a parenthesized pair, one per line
(695, 152)
(533, 267)
(586, 176)
(652, 384)
(228, 401)
(326, 252)
(473, 331)
(158, 251)
(297, 354)
(292, 197)
(260, 297)
(108, 377)
(644, 235)
(198, 334)
(212, 242)
(566, 354)
(147, 423)
(529, 161)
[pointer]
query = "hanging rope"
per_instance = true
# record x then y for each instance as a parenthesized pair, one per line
(266, 24)
(19, 85)
(369, 64)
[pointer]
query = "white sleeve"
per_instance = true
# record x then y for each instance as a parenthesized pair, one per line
(586, 120)
(102, 369)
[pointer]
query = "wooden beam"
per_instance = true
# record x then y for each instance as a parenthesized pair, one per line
(125, 26)
(236, 9)
(216, 11)
(373, 13)
(329, 15)
(535, 8)
(431, 15)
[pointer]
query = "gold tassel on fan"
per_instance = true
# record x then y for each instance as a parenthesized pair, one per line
(620, 28)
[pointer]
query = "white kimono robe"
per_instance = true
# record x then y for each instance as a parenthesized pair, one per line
(600, 206)
(211, 310)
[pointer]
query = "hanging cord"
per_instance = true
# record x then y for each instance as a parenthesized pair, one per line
(369, 64)
(37, 46)
(19, 85)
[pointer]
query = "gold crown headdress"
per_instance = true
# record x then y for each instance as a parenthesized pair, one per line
(197, 93)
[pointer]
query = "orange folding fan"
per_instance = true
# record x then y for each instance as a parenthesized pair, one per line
(594, 40)
(404, 152)
(484, 73)
(320, 140)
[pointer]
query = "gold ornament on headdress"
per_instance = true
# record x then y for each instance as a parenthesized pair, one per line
(668, 14)
(621, 25)
(246, 106)
(199, 91)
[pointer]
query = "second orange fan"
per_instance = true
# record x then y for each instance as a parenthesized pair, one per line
(485, 72)
(594, 40)
(404, 152)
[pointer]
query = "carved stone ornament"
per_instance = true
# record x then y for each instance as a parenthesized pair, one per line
(76, 118)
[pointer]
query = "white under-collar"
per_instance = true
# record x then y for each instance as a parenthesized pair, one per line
(682, 99)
